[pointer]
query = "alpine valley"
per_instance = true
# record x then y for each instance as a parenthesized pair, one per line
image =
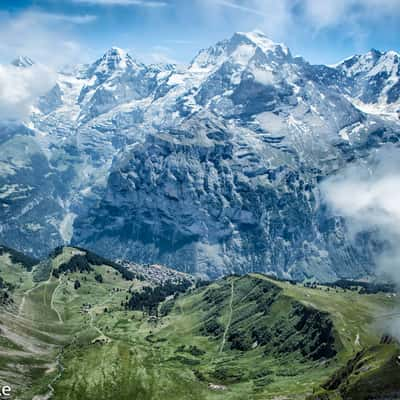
(210, 169)
(77, 326)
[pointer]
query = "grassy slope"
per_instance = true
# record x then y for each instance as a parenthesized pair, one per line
(159, 368)
(268, 377)
(353, 314)
(146, 359)
(30, 338)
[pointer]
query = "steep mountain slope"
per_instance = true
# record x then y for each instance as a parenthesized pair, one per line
(371, 373)
(71, 332)
(210, 169)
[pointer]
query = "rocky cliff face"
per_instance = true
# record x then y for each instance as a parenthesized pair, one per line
(209, 169)
(212, 202)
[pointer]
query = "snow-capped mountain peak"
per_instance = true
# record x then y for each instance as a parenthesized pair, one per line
(115, 60)
(239, 49)
(263, 42)
(374, 80)
(22, 62)
(113, 79)
(370, 63)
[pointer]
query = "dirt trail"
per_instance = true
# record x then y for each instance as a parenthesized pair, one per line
(228, 325)
(22, 305)
(60, 320)
(357, 341)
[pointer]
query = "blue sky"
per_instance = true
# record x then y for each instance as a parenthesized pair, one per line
(323, 31)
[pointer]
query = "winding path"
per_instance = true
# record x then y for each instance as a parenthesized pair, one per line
(60, 320)
(100, 332)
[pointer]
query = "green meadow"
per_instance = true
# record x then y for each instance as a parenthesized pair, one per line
(239, 338)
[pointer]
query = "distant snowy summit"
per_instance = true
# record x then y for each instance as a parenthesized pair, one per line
(22, 62)
(375, 80)
(370, 81)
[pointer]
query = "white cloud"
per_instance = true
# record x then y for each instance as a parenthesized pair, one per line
(367, 195)
(20, 88)
(44, 37)
(141, 3)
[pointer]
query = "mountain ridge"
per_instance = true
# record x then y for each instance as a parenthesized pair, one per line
(210, 169)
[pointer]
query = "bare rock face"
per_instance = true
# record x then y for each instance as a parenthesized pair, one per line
(209, 169)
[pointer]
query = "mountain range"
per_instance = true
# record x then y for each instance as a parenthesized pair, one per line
(212, 168)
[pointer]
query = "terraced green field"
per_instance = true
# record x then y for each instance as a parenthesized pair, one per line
(235, 339)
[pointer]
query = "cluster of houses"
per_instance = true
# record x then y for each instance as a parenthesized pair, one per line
(155, 273)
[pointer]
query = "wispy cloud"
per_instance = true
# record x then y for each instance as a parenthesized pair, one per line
(367, 195)
(140, 3)
(68, 18)
(320, 13)
(240, 7)
(243, 7)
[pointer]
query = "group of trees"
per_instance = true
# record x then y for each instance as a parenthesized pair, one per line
(5, 288)
(150, 297)
(5, 285)
(363, 287)
(19, 258)
(77, 263)
(84, 263)
(5, 298)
